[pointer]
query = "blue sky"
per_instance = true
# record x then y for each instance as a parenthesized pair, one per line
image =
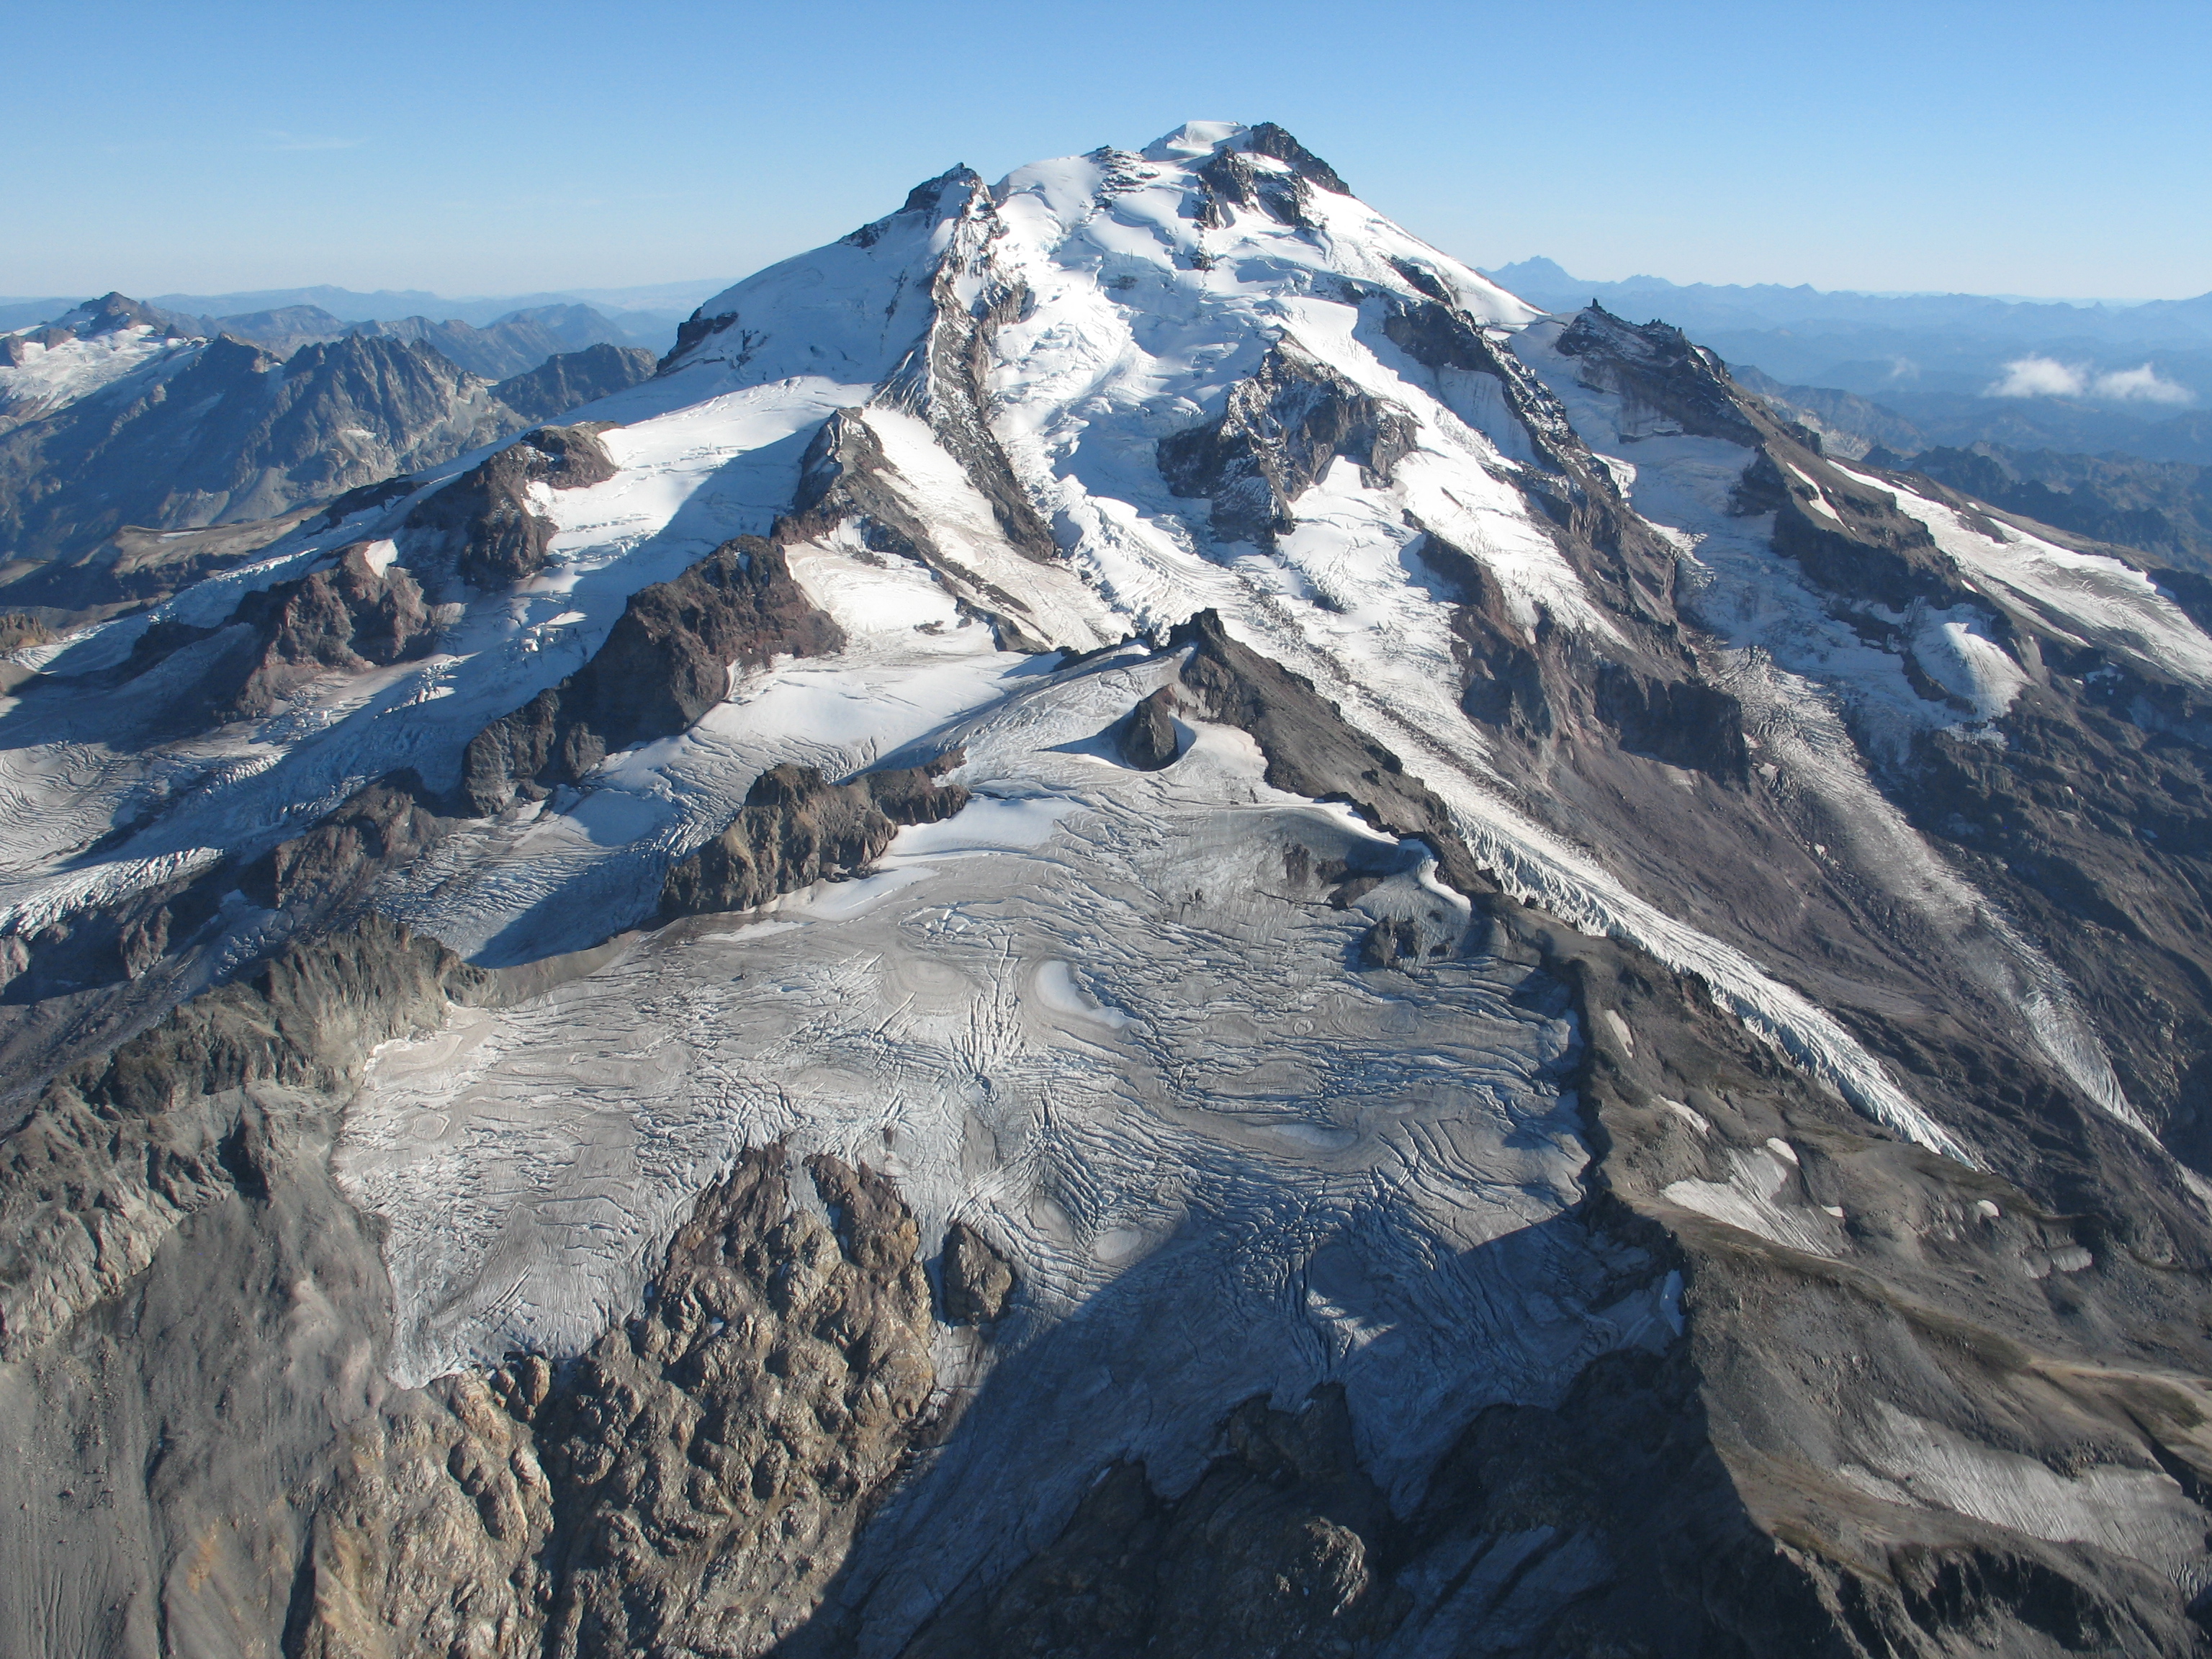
(2026, 148)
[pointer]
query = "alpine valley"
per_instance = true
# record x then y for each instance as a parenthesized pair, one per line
(1134, 923)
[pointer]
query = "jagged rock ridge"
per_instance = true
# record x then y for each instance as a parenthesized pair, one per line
(1513, 1011)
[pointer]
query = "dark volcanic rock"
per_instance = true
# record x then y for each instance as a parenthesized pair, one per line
(1275, 1550)
(1309, 749)
(345, 619)
(665, 663)
(348, 618)
(332, 869)
(797, 829)
(1148, 737)
(977, 1279)
(1674, 386)
(480, 526)
(104, 946)
(1277, 435)
(1683, 722)
(1268, 139)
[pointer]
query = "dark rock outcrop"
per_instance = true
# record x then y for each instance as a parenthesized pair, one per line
(1683, 722)
(977, 1281)
(331, 871)
(797, 829)
(1309, 749)
(481, 528)
(1232, 180)
(1147, 735)
(348, 618)
(665, 662)
(1278, 433)
(1667, 385)
(688, 1484)
(104, 946)
(1268, 139)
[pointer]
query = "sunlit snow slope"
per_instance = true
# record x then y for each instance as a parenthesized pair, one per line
(1131, 1022)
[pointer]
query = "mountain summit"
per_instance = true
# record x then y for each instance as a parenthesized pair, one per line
(1138, 922)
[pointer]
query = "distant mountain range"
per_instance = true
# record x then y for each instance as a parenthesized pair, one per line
(1961, 368)
(646, 316)
(1707, 306)
(121, 420)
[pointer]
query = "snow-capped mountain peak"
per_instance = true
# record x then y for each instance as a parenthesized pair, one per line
(1146, 735)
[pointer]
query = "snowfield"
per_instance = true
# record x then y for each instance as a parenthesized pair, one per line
(1096, 1015)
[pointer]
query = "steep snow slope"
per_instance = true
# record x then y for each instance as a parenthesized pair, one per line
(1257, 1008)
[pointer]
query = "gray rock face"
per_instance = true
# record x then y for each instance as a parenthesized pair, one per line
(571, 379)
(232, 433)
(977, 1279)
(480, 526)
(1279, 434)
(797, 829)
(116, 1151)
(665, 663)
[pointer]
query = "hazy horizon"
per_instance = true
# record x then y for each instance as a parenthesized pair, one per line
(503, 149)
(605, 295)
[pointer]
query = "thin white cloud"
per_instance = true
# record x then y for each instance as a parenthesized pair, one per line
(2143, 385)
(275, 140)
(2040, 377)
(2046, 377)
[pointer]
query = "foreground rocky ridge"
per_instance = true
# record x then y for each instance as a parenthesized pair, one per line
(1878, 1312)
